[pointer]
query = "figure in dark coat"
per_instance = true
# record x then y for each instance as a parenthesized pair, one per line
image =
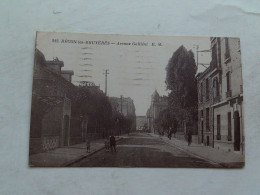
(112, 143)
(189, 138)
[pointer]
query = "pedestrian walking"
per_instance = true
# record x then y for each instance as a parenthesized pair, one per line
(112, 143)
(189, 139)
(107, 144)
(88, 145)
(170, 135)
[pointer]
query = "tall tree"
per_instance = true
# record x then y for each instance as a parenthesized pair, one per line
(92, 102)
(181, 81)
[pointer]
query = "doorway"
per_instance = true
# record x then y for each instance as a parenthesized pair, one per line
(207, 140)
(236, 131)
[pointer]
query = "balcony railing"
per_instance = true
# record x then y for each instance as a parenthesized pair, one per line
(228, 94)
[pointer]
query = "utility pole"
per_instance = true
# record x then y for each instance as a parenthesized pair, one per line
(197, 50)
(121, 97)
(127, 108)
(106, 73)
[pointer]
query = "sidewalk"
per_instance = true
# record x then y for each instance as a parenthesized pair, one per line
(64, 156)
(222, 158)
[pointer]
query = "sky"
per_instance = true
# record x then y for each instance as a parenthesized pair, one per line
(136, 64)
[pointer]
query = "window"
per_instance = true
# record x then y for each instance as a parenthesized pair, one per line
(218, 128)
(201, 92)
(207, 89)
(228, 81)
(202, 126)
(219, 52)
(228, 93)
(213, 62)
(207, 119)
(216, 87)
(227, 52)
(229, 127)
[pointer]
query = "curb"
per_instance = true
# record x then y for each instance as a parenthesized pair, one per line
(229, 165)
(67, 164)
(219, 164)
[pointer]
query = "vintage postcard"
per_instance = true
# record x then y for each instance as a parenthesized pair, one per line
(136, 101)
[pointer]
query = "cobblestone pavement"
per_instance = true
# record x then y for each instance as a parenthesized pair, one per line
(142, 150)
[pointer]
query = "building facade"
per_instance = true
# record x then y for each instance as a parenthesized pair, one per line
(51, 107)
(158, 104)
(140, 122)
(123, 105)
(220, 97)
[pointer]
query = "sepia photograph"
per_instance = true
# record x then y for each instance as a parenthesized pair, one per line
(101, 100)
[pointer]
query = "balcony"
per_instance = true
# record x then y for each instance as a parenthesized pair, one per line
(228, 93)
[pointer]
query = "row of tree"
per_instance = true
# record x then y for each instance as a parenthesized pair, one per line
(92, 103)
(182, 98)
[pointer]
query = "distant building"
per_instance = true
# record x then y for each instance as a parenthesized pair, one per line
(124, 105)
(158, 103)
(140, 121)
(51, 107)
(220, 97)
(90, 85)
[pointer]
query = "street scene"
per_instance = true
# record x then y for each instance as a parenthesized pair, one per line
(144, 150)
(136, 101)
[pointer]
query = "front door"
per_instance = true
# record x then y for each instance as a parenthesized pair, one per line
(236, 131)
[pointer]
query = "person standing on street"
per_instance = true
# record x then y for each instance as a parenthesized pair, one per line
(88, 145)
(113, 143)
(170, 134)
(189, 138)
(107, 144)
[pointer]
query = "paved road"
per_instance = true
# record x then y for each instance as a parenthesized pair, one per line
(142, 150)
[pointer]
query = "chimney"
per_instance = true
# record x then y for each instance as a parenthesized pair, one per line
(55, 65)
